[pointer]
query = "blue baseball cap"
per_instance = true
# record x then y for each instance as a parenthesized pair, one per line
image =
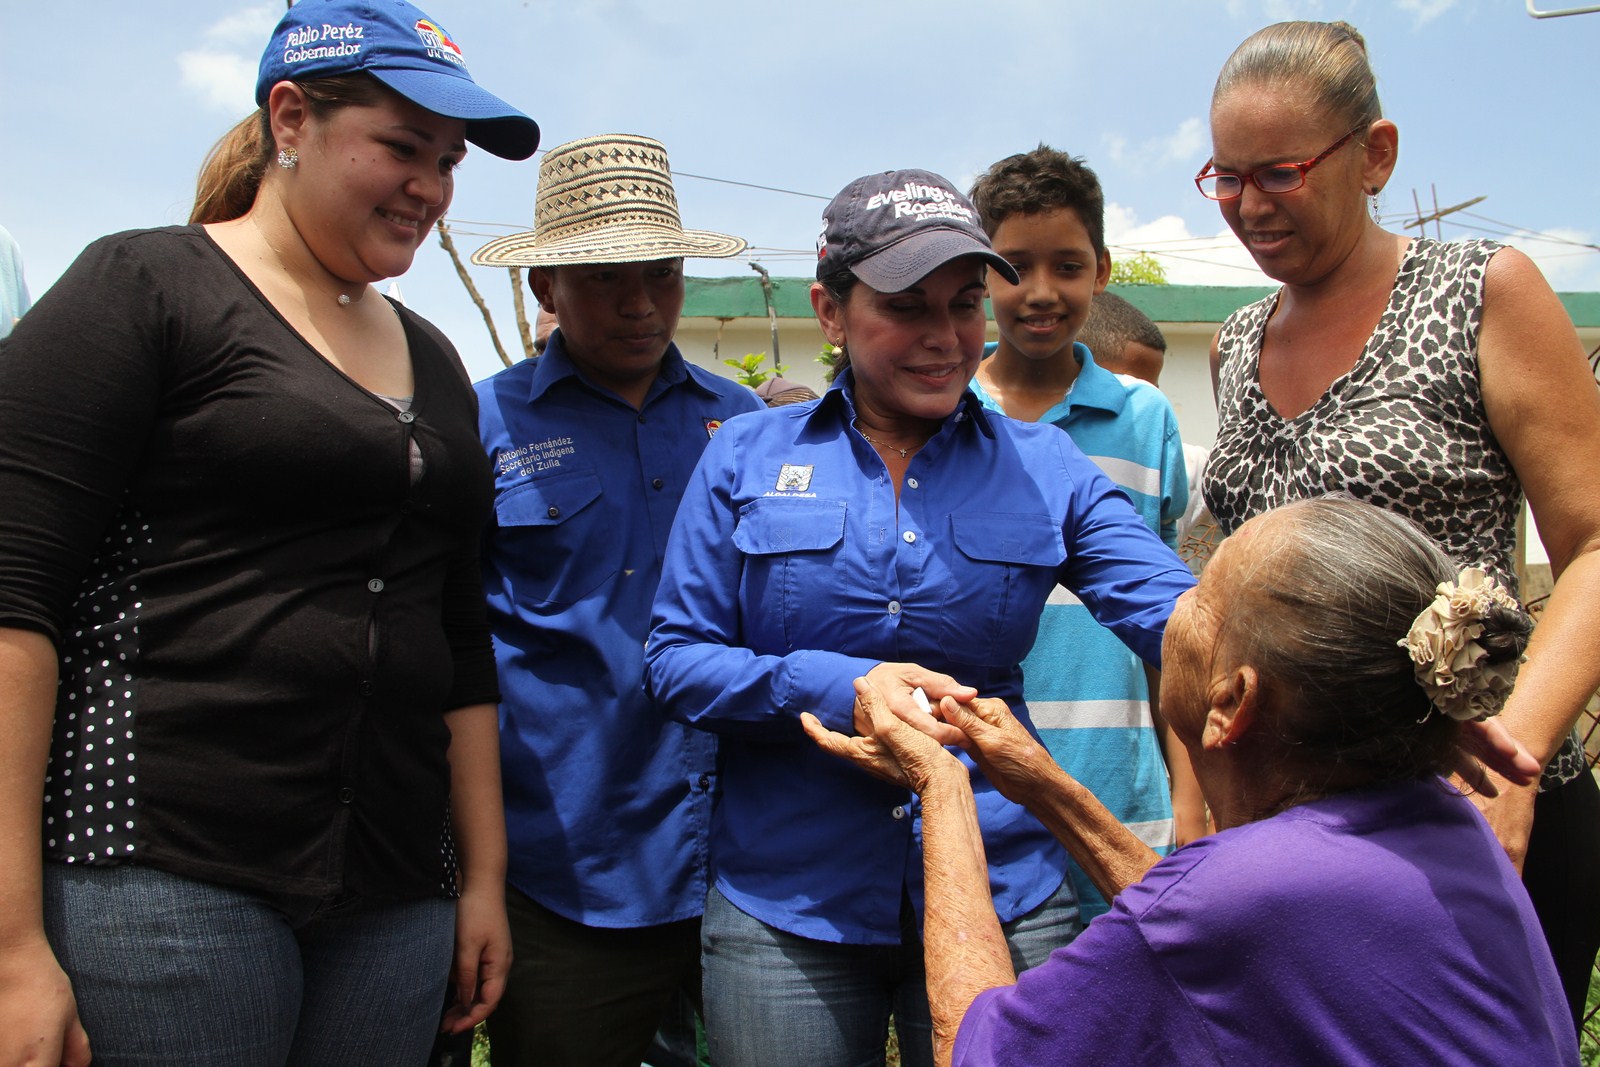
(404, 49)
(895, 228)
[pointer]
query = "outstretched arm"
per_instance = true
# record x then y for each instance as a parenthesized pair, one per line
(963, 946)
(1024, 773)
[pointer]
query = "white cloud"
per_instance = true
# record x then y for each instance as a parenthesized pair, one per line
(1188, 258)
(222, 72)
(225, 82)
(1274, 10)
(1188, 141)
(1424, 11)
(1566, 256)
(247, 28)
(1565, 264)
(1186, 144)
(1291, 10)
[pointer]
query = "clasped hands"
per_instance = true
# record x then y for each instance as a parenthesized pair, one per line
(898, 742)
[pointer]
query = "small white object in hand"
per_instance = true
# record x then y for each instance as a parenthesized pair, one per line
(922, 700)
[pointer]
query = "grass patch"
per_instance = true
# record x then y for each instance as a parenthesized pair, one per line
(1589, 1036)
(480, 1047)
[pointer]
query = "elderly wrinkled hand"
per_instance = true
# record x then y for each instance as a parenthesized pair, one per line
(999, 744)
(886, 747)
(898, 684)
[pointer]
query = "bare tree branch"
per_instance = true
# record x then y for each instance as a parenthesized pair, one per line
(472, 290)
(522, 312)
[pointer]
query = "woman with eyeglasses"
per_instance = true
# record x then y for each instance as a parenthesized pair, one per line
(1441, 380)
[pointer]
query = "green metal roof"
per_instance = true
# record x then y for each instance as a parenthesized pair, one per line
(1583, 307)
(740, 298)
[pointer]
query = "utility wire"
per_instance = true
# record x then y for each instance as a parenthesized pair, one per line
(751, 185)
(1533, 234)
(1160, 249)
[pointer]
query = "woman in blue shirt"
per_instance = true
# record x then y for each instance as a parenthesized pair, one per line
(895, 530)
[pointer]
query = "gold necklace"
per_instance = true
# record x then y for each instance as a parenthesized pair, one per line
(905, 453)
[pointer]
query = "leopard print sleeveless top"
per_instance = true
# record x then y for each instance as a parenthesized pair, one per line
(1404, 429)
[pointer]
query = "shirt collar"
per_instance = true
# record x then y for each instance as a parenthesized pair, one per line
(1095, 386)
(839, 402)
(553, 365)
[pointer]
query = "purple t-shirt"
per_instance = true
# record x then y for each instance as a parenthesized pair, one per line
(1379, 927)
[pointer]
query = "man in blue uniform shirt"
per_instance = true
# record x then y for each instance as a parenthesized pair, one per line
(593, 442)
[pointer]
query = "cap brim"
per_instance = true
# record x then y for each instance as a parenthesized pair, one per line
(492, 124)
(608, 244)
(904, 263)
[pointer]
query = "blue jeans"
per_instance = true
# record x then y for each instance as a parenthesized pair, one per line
(774, 999)
(171, 971)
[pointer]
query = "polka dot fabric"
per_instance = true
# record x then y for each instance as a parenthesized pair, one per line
(447, 852)
(90, 809)
(253, 688)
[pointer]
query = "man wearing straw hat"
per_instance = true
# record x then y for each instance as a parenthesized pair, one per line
(593, 442)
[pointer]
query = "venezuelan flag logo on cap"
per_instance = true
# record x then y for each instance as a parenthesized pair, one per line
(436, 39)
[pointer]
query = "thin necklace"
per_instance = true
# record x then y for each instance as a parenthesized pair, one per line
(344, 300)
(905, 453)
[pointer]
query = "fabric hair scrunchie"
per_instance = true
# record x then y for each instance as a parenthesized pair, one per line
(1444, 646)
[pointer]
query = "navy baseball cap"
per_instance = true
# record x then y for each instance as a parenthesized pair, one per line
(894, 228)
(405, 50)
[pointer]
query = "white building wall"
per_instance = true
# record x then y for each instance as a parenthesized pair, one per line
(1186, 380)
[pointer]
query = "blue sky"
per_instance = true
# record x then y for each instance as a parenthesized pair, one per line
(110, 108)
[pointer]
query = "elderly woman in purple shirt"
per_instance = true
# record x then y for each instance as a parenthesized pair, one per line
(1321, 677)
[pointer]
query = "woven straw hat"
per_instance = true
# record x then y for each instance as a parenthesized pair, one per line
(605, 199)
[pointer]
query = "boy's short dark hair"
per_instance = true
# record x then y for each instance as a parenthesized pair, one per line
(1113, 322)
(1032, 183)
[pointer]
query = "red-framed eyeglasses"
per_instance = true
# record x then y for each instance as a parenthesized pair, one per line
(1277, 178)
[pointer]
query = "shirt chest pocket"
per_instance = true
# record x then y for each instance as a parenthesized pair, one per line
(1002, 571)
(557, 543)
(790, 547)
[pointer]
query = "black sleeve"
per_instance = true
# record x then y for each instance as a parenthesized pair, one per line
(466, 626)
(465, 614)
(80, 382)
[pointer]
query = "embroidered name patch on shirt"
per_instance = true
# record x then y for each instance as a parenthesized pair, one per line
(531, 458)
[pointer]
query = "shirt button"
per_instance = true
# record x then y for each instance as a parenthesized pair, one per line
(894, 607)
(346, 795)
(554, 512)
(375, 585)
(657, 483)
(909, 537)
(911, 483)
(899, 812)
(406, 417)
(367, 688)
(705, 781)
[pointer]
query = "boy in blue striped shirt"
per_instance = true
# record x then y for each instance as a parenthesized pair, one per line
(1091, 698)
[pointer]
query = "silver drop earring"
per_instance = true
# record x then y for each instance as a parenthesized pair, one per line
(288, 157)
(1372, 200)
